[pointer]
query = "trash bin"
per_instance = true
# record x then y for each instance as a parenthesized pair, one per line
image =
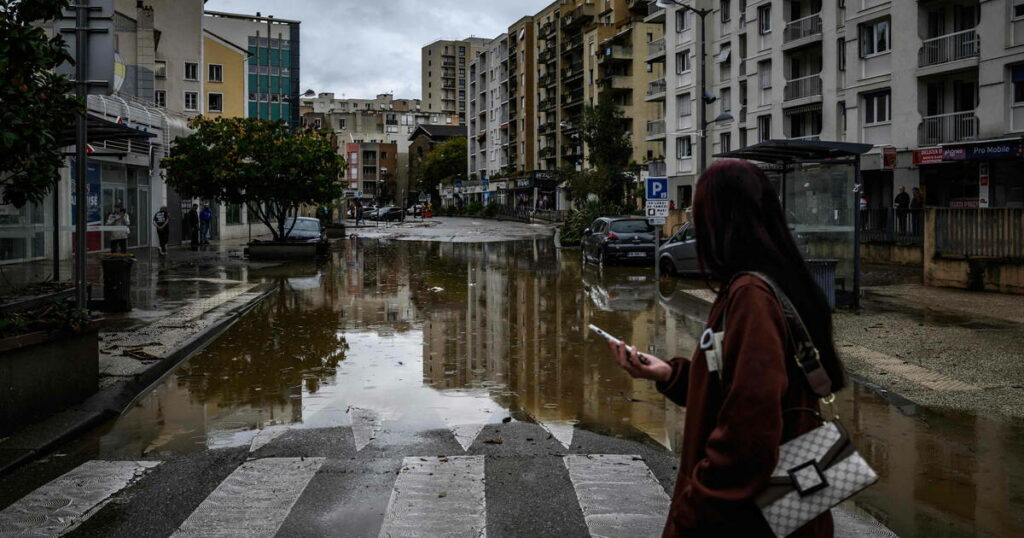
(117, 282)
(824, 273)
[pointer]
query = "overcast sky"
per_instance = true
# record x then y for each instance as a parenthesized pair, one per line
(360, 48)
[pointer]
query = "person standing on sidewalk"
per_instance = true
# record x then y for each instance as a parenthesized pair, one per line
(901, 203)
(118, 239)
(205, 218)
(192, 221)
(741, 381)
(359, 212)
(162, 221)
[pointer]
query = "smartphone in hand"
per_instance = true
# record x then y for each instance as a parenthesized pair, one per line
(604, 334)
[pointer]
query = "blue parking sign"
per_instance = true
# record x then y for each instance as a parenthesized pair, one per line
(657, 188)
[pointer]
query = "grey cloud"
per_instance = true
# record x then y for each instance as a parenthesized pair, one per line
(364, 47)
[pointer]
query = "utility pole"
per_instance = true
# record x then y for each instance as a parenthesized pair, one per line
(82, 9)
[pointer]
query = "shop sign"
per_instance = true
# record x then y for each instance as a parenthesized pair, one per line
(524, 183)
(1001, 150)
(964, 203)
(928, 156)
(954, 154)
(889, 158)
(983, 184)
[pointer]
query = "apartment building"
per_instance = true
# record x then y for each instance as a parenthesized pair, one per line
(522, 97)
(381, 120)
(225, 67)
(273, 64)
(443, 68)
(370, 169)
(489, 143)
(937, 87)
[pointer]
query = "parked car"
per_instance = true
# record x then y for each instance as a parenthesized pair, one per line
(415, 210)
(306, 229)
(618, 239)
(387, 213)
(678, 256)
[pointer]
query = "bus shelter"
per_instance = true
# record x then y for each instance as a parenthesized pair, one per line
(819, 184)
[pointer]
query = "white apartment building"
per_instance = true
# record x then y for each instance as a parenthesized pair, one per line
(488, 152)
(937, 87)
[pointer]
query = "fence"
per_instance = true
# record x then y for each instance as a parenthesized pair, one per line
(980, 233)
(799, 88)
(802, 28)
(889, 225)
(949, 48)
(953, 127)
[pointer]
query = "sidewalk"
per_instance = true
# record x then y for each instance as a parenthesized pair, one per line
(182, 301)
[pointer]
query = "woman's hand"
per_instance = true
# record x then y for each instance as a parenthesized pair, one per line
(640, 365)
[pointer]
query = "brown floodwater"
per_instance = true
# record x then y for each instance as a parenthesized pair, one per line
(422, 336)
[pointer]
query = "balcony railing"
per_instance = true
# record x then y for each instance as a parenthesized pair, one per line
(949, 48)
(546, 79)
(546, 104)
(546, 55)
(653, 8)
(799, 88)
(572, 71)
(572, 44)
(945, 128)
(656, 88)
(657, 168)
(548, 152)
(656, 128)
(573, 97)
(801, 28)
(546, 29)
(616, 52)
(656, 48)
(890, 225)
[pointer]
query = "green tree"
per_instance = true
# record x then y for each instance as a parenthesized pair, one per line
(265, 165)
(605, 132)
(445, 163)
(36, 104)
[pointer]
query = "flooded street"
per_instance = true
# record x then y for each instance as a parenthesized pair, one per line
(398, 340)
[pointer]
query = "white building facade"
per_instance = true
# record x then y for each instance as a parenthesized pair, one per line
(488, 152)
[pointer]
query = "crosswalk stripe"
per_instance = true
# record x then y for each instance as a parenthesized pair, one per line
(438, 496)
(64, 503)
(254, 500)
(618, 494)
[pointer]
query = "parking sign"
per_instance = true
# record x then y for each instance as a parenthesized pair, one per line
(657, 188)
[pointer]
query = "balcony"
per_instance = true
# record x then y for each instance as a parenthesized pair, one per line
(949, 48)
(656, 90)
(656, 50)
(546, 104)
(546, 127)
(572, 98)
(579, 16)
(547, 79)
(616, 81)
(546, 56)
(656, 130)
(803, 87)
(657, 168)
(546, 30)
(572, 72)
(572, 44)
(802, 28)
(947, 128)
(547, 153)
(616, 53)
(655, 13)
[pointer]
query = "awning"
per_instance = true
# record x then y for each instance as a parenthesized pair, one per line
(100, 130)
(794, 151)
(723, 55)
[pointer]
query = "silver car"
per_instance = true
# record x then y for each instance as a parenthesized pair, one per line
(678, 256)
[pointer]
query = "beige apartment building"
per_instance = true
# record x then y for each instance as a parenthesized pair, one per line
(936, 87)
(443, 69)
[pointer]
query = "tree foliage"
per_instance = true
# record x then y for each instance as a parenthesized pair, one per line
(445, 163)
(36, 104)
(265, 165)
(604, 131)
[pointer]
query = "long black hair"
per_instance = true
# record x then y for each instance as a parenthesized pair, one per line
(741, 226)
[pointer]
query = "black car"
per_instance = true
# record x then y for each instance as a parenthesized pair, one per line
(387, 213)
(305, 229)
(618, 239)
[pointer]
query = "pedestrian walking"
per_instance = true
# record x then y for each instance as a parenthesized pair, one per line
(162, 221)
(118, 239)
(192, 221)
(359, 213)
(205, 219)
(742, 389)
(901, 203)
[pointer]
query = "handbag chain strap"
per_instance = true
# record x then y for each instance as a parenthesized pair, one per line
(805, 353)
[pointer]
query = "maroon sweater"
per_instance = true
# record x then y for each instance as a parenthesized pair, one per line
(734, 425)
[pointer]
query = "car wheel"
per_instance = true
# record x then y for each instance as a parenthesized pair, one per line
(667, 267)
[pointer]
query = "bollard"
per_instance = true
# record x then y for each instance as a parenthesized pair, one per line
(117, 282)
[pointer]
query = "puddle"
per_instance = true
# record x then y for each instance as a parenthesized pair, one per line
(398, 338)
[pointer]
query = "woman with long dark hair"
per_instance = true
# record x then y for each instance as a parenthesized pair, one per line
(736, 415)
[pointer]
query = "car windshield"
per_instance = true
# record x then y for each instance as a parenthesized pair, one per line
(303, 225)
(631, 226)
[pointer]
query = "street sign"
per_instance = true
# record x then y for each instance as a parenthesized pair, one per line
(100, 69)
(657, 208)
(656, 221)
(657, 188)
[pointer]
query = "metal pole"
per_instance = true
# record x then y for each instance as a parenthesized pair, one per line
(81, 140)
(703, 135)
(56, 228)
(657, 245)
(856, 232)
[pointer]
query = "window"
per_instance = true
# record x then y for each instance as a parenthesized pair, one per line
(764, 74)
(726, 100)
(725, 142)
(841, 54)
(215, 103)
(160, 98)
(191, 101)
(683, 62)
(1018, 9)
(764, 19)
(685, 105)
(216, 73)
(160, 70)
(191, 71)
(874, 38)
(342, 124)
(684, 147)
(725, 7)
(877, 107)
(682, 20)
(1017, 76)
(764, 128)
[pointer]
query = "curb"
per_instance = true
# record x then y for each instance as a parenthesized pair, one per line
(115, 400)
